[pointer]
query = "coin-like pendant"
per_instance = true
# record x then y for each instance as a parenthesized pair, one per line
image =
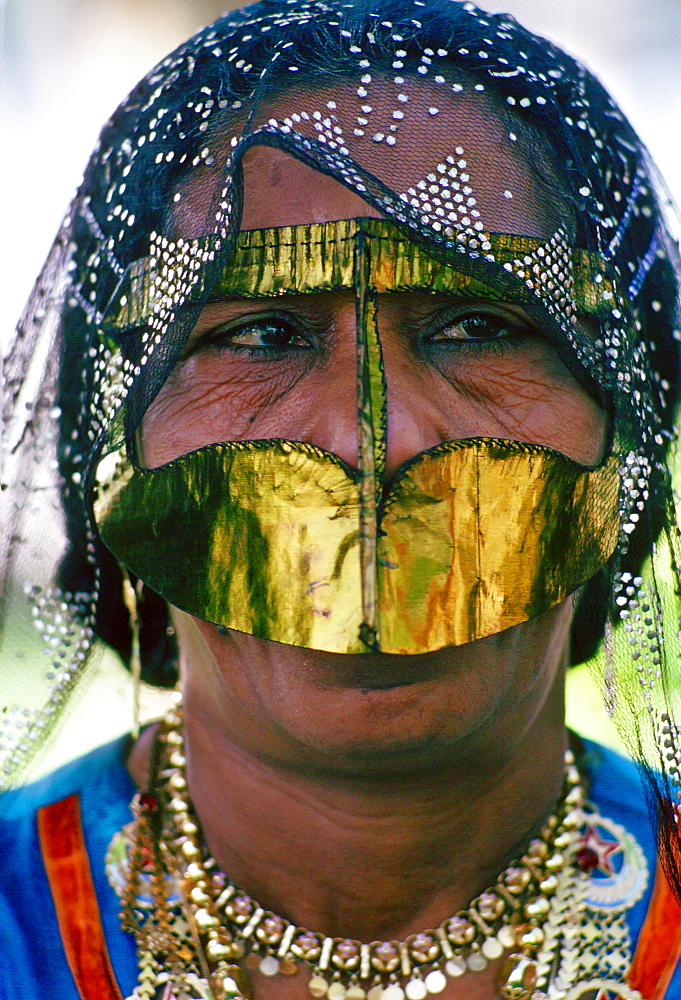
(393, 992)
(269, 965)
(318, 986)
(518, 977)
(416, 989)
(436, 981)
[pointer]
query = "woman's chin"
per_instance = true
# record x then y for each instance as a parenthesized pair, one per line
(368, 713)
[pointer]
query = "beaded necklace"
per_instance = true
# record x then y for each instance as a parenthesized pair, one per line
(198, 934)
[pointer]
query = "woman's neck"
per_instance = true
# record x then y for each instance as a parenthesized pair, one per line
(379, 861)
(379, 857)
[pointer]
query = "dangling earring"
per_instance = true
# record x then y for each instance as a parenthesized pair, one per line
(131, 598)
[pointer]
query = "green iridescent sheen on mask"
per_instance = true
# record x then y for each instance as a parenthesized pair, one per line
(264, 537)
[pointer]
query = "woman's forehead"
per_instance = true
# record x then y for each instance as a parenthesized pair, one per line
(449, 156)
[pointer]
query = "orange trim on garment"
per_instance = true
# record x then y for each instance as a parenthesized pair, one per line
(68, 872)
(659, 944)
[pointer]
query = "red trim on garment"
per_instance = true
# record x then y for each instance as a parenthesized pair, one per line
(659, 944)
(68, 872)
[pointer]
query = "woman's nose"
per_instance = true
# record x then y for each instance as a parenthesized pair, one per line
(414, 419)
(414, 424)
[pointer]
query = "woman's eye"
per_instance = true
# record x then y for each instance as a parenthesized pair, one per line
(266, 334)
(480, 327)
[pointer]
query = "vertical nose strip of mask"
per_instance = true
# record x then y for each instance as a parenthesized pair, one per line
(372, 429)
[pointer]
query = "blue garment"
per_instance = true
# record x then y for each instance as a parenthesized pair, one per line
(33, 965)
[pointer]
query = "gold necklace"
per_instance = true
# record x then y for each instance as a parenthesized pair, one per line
(193, 925)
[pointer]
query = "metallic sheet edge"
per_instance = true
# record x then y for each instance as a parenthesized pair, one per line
(263, 537)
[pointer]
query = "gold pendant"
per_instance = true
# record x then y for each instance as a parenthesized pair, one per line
(602, 989)
(518, 977)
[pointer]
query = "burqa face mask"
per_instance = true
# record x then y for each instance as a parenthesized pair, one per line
(284, 541)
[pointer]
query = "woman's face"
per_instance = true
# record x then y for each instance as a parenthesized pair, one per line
(455, 368)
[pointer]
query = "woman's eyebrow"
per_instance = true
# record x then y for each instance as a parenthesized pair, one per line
(422, 302)
(315, 309)
(222, 310)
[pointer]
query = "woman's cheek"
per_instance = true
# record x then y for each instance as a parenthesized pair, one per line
(202, 404)
(531, 396)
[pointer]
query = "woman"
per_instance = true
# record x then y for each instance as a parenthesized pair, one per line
(351, 380)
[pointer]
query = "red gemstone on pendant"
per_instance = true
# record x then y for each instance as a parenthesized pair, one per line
(587, 858)
(148, 858)
(148, 802)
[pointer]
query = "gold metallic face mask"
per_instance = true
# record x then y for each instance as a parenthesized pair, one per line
(282, 540)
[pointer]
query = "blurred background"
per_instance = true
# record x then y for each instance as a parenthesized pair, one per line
(66, 64)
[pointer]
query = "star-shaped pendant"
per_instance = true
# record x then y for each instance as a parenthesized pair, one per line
(596, 852)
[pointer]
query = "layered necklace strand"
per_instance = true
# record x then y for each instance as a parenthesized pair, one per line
(193, 926)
